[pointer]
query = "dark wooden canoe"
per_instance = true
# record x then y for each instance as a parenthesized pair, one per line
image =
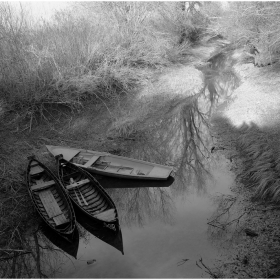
(111, 165)
(50, 199)
(87, 194)
(112, 238)
(60, 242)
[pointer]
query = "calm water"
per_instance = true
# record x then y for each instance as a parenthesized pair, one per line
(154, 249)
(163, 225)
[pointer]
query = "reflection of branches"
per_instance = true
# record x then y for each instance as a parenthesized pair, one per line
(225, 206)
(137, 205)
(37, 257)
(226, 222)
(194, 128)
(207, 269)
(32, 260)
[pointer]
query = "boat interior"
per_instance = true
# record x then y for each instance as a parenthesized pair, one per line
(85, 193)
(111, 164)
(47, 197)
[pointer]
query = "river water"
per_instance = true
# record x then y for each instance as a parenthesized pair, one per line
(164, 224)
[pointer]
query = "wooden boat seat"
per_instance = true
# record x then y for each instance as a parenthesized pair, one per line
(36, 169)
(103, 165)
(125, 170)
(91, 161)
(68, 176)
(77, 184)
(52, 208)
(43, 185)
(108, 215)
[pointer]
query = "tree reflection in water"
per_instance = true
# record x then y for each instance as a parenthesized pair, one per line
(226, 223)
(177, 133)
(139, 205)
(37, 257)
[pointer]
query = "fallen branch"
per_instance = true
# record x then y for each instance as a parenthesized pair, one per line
(206, 269)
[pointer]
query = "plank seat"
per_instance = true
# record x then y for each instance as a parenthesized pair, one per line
(77, 184)
(102, 165)
(125, 170)
(91, 161)
(35, 169)
(68, 176)
(42, 185)
(52, 208)
(108, 215)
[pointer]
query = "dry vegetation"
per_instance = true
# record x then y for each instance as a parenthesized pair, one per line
(94, 51)
(247, 221)
(85, 58)
(256, 23)
(98, 54)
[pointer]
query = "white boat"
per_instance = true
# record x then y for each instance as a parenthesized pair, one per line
(112, 165)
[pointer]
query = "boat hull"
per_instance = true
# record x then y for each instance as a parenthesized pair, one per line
(111, 165)
(87, 194)
(50, 199)
(113, 238)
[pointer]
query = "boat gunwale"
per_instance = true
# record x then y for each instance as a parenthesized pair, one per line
(115, 156)
(71, 225)
(96, 185)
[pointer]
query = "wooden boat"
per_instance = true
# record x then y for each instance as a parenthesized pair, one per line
(112, 238)
(50, 199)
(87, 194)
(70, 248)
(112, 165)
(119, 183)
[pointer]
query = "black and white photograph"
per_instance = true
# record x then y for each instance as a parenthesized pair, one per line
(139, 139)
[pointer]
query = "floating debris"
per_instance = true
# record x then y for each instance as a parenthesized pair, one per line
(91, 261)
(182, 262)
(250, 232)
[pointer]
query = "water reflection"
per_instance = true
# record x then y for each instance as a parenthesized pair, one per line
(226, 223)
(137, 206)
(67, 247)
(113, 183)
(37, 257)
(108, 236)
(220, 76)
(179, 134)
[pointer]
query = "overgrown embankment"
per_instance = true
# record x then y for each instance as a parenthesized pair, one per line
(94, 51)
(247, 131)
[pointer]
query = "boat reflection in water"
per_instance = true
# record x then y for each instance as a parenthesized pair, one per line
(69, 248)
(109, 236)
(111, 183)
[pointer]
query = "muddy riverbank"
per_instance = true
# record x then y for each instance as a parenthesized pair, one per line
(246, 131)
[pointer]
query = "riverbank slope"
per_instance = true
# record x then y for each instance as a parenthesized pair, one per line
(246, 129)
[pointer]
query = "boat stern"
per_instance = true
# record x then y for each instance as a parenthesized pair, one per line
(67, 153)
(160, 173)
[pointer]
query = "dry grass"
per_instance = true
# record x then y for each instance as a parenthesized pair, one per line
(253, 205)
(261, 162)
(260, 158)
(73, 60)
(256, 22)
(93, 52)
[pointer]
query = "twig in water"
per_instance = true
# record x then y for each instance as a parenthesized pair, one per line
(206, 269)
(183, 261)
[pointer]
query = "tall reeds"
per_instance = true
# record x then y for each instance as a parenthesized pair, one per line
(261, 161)
(96, 50)
(254, 21)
